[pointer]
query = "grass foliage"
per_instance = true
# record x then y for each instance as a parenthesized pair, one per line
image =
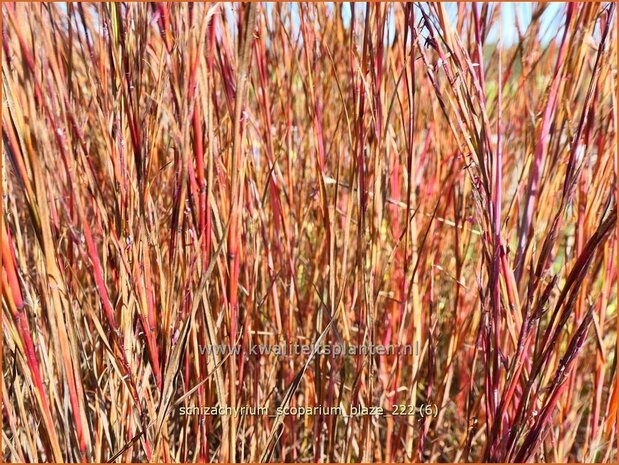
(184, 175)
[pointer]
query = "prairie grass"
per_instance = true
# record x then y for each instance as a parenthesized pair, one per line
(178, 176)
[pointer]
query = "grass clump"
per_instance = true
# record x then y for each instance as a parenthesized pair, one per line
(185, 176)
